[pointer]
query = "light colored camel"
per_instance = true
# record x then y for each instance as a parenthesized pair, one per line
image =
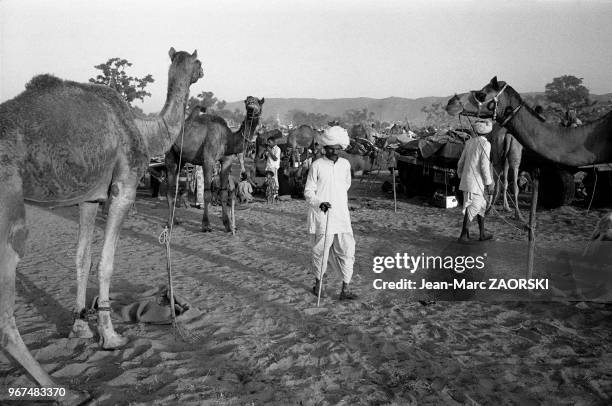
(506, 153)
(208, 140)
(63, 143)
(572, 146)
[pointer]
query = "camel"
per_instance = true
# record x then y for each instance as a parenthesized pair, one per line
(207, 140)
(63, 143)
(506, 155)
(299, 138)
(571, 146)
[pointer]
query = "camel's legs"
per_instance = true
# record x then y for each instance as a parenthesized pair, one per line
(515, 174)
(172, 173)
(12, 247)
(497, 179)
(207, 170)
(87, 220)
(124, 193)
(226, 168)
(505, 185)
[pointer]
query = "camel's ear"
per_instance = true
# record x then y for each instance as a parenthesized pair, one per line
(495, 83)
(262, 100)
(195, 53)
(172, 52)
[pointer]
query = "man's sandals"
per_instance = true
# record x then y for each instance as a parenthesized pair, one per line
(345, 293)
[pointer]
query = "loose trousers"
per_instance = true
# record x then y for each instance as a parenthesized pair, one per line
(339, 249)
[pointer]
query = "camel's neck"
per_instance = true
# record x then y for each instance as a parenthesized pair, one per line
(578, 146)
(160, 132)
(237, 141)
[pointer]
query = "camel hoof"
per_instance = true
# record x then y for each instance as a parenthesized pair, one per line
(72, 398)
(206, 229)
(113, 341)
(80, 329)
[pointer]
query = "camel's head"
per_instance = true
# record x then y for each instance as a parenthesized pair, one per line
(185, 65)
(253, 105)
(492, 101)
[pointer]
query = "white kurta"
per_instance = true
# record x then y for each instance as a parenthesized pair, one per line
(328, 182)
(474, 167)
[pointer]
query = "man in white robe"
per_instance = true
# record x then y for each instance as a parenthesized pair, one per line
(329, 221)
(474, 169)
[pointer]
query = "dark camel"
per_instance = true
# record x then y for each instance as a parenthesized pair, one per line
(572, 146)
(207, 140)
(63, 143)
(506, 156)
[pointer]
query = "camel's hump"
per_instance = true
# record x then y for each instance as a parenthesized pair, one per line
(42, 82)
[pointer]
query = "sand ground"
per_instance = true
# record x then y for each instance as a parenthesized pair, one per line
(263, 341)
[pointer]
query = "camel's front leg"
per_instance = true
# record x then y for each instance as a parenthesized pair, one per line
(505, 186)
(124, 193)
(224, 181)
(172, 175)
(493, 198)
(207, 171)
(88, 210)
(517, 212)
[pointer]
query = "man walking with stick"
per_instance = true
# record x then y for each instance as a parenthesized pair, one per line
(329, 221)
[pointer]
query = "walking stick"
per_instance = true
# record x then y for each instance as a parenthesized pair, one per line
(233, 217)
(394, 195)
(324, 260)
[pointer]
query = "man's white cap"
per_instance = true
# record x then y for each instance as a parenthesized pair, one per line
(335, 135)
(483, 127)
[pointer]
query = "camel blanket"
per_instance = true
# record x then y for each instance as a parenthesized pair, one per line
(151, 306)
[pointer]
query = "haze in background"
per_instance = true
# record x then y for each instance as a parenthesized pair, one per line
(319, 49)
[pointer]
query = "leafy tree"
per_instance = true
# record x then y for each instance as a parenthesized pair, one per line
(316, 120)
(204, 99)
(437, 116)
(568, 91)
(114, 75)
(354, 116)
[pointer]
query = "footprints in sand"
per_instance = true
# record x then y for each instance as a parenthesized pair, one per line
(266, 342)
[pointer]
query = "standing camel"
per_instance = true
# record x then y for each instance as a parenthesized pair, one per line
(571, 146)
(207, 140)
(506, 154)
(63, 143)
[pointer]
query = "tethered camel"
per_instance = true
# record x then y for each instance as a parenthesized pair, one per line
(63, 143)
(572, 146)
(207, 140)
(506, 155)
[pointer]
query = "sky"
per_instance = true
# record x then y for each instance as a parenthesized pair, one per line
(316, 48)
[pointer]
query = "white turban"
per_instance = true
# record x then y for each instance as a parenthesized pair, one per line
(335, 135)
(483, 127)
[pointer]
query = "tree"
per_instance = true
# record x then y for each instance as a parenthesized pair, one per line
(354, 116)
(568, 91)
(437, 116)
(114, 75)
(204, 99)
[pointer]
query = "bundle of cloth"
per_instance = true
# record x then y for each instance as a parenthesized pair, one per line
(151, 306)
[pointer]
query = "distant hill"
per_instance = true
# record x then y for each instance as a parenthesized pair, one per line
(389, 109)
